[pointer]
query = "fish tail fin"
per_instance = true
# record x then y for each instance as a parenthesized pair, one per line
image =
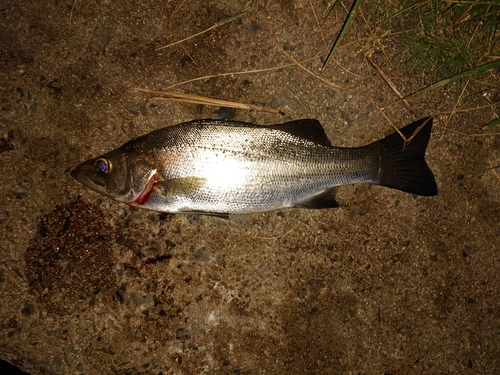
(402, 163)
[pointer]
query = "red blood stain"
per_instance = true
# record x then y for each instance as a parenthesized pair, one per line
(148, 190)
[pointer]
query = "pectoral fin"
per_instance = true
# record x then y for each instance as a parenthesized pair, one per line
(180, 186)
(325, 199)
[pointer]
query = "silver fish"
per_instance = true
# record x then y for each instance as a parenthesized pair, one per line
(222, 167)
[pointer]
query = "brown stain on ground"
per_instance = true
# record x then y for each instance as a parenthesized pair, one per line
(70, 259)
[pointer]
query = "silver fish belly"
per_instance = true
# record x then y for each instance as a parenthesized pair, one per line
(221, 167)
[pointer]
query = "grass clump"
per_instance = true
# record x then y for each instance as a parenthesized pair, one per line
(449, 37)
(442, 37)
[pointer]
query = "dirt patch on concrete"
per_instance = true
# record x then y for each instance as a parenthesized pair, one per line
(69, 261)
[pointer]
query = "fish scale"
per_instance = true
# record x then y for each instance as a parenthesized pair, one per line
(222, 167)
(251, 169)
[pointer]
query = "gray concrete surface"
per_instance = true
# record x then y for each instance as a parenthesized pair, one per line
(389, 283)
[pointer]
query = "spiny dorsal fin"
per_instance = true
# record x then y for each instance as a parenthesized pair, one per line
(305, 128)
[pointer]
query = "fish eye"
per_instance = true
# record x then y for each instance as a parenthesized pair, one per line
(103, 165)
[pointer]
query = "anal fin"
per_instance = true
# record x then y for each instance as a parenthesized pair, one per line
(325, 199)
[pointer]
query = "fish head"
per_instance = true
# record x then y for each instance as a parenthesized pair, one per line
(124, 174)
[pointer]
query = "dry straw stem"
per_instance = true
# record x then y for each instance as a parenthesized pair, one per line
(489, 125)
(207, 100)
(311, 73)
(253, 71)
(466, 134)
(388, 119)
(71, 13)
(317, 23)
(469, 109)
(218, 24)
(445, 128)
(390, 84)
(406, 140)
(239, 73)
(177, 7)
(163, 14)
(453, 111)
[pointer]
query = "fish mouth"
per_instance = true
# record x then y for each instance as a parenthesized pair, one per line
(86, 180)
(82, 175)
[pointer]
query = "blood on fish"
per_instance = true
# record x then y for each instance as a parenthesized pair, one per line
(144, 197)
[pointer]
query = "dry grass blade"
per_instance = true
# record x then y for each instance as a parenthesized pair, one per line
(472, 135)
(469, 109)
(238, 73)
(406, 140)
(218, 24)
(207, 100)
(317, 22)
(390, 84)
(416, 131)
(71, 14)
(453, 111)
(311, 73)
(163, 13)
(177, 7)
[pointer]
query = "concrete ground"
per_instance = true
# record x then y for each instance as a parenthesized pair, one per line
(389, 283)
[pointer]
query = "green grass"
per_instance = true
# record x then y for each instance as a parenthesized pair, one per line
(443, 38)
(446, 41)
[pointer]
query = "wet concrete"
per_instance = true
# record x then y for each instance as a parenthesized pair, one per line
(388, 283)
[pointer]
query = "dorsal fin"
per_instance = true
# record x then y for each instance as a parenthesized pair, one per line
(309, 129)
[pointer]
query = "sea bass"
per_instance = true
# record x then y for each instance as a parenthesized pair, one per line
(223, 167)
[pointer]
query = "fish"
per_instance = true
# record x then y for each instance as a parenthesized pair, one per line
(222, 167)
